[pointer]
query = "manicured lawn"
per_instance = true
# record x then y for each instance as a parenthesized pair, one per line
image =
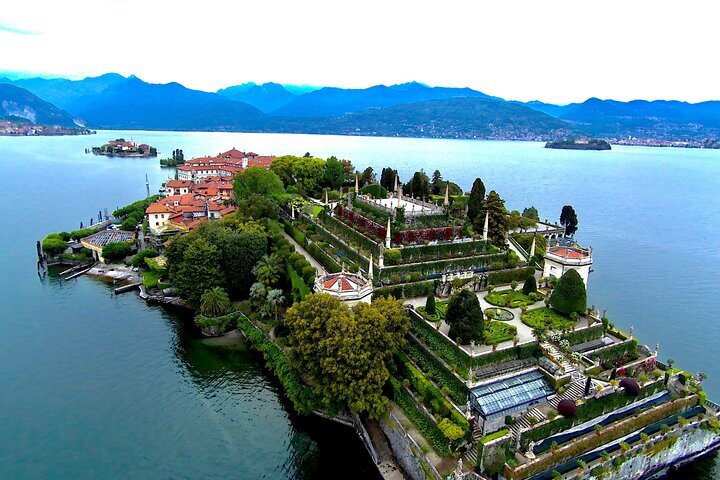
(493, 436)
(547, 318)
(150, 278)
(497, 332)
(316, 210)
(509, 298)
(440, 311)
(297, 282)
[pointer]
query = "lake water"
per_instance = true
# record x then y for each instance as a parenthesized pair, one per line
(96, 386)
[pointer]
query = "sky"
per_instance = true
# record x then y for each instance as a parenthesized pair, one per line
(557, 51)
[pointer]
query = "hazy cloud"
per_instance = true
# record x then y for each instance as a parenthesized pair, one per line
(17, 31)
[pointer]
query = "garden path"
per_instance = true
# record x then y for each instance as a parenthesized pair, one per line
(304, 253)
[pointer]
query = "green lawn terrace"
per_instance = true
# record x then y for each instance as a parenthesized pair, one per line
(347, 235)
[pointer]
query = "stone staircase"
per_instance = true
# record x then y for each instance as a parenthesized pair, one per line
(470, 456)
(574, 391)
(566, 365)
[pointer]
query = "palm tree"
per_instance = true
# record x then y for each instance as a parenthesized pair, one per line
(267, 270)
(257, 291)
(275, 298)
(215, 302)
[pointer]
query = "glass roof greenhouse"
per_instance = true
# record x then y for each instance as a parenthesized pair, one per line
(510, 394)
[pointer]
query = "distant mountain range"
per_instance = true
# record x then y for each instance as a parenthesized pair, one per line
(19, 105)
(112, 101)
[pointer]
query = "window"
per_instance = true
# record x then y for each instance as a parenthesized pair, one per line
(156, 215)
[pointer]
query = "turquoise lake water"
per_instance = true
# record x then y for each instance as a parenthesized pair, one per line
(95, 386)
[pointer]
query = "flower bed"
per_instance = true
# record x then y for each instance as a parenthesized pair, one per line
(347, 233)
(427, 235)
(547, 318)
(360, 223)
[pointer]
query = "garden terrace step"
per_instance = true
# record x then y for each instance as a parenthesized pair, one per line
(470, 456)
(574, 391)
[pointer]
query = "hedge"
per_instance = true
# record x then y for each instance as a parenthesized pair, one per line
(422, 422)
(302, 397)
(375, 190)
(415, 289)
(323, 258)
(341, 245)
(585, 335)
(590, 442)
(456, 357)
(428, 363)
(507, 276)
(442, 251)
(432, 397)
(592, 408)
(348, 233)
(618, 351)
(442, 266)
(296, 234)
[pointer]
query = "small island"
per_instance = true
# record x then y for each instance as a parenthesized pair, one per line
(125, 148)
(453, 333)
(579, 144)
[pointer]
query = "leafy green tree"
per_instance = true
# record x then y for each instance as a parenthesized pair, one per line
(529, 286)
(569, 295)
(387, 178)
(532, 213)
(349, 171)
(497, 226)
(418, 186)
(283, 167)
(475, 203)
(54, 245)
(334, 174)
(346, 353)
(436, 182)
(569, 220)
(257, 206)
(430, 304)
(215, 302)
(465, 317)
(198, 269)
(368, 177)
(138, 260)
(268, 270)
(309, 172)
(257, 180)
(116, 251)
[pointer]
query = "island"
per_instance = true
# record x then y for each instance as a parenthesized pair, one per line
(125, 148)
(579, 144)
(452, 333)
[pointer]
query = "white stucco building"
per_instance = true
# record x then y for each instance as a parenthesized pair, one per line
(559, 259)
(350, 288)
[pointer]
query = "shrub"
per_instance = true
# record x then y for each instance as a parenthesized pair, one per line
(116, 251)
(85, 232)
(507, 276)
(54, 244)
(138, 260)
(374, 190)
(530, 286)
(569, 296)
(430, 304)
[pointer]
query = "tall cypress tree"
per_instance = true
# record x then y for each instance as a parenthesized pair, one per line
(475, 202)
